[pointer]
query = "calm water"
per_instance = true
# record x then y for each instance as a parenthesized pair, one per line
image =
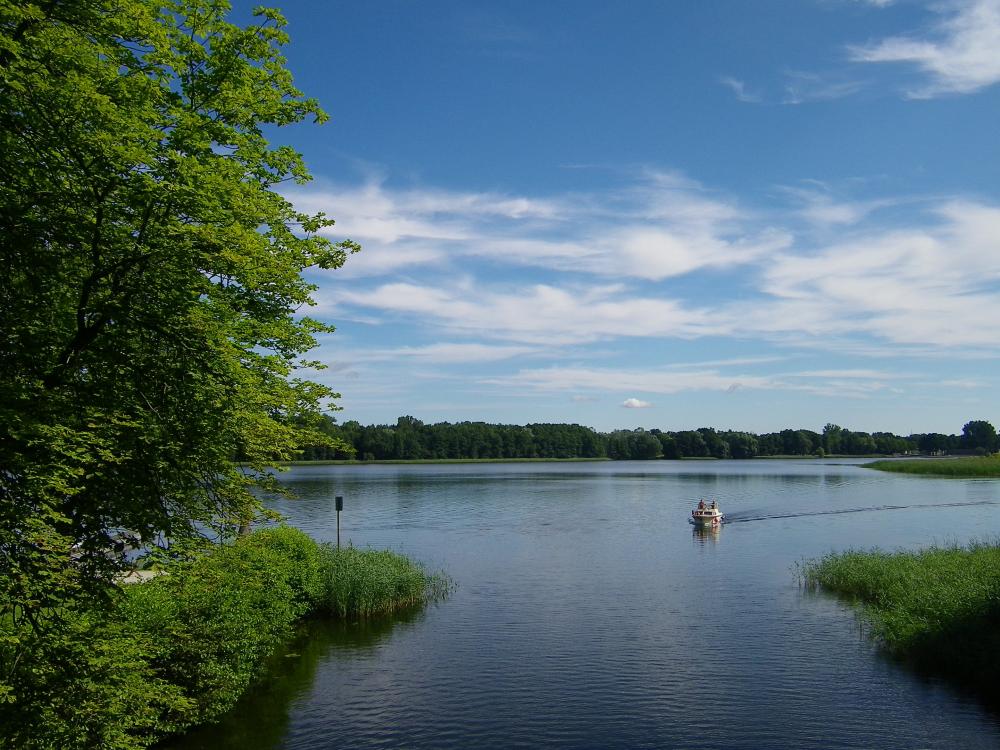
(588, 613)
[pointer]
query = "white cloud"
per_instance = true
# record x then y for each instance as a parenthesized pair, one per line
(462, 353)
(965, 383)
(740, 90)
(930, 287)
(959, 55)
(634, 403)
(803, 87)
(540, 313)
(662, 381)
(819, 208)
(660, 225)
(919, 289)
(934, 286)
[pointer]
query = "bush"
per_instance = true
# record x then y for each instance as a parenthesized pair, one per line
(180, 649)
(216, 619)
(85, 682)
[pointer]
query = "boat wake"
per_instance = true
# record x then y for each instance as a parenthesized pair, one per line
(751, 515)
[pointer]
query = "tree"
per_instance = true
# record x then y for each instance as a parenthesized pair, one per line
(690, 444)
(795, 443)
(741, 444)
(832, 437)
(150, 283)
(979, 435)
(935, 442)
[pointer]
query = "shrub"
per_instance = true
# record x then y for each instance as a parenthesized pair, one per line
(180, 649)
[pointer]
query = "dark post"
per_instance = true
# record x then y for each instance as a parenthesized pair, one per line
(340, 506)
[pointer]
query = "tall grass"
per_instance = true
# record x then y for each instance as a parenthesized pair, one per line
(367, 583)
(987, 466)
(939, 607)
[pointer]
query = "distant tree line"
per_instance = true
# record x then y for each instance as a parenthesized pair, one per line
(411, 439)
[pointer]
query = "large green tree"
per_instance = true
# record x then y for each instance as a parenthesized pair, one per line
(979, 435)
(150, 283)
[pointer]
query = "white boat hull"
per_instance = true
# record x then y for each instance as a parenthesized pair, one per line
(707, 518)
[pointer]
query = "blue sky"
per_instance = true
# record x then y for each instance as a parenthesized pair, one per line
(658, 214)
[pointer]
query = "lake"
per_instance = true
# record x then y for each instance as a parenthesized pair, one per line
(588, 612)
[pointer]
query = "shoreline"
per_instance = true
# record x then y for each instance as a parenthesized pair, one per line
(385, 462)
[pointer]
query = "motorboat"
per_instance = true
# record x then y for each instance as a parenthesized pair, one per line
(707, 515)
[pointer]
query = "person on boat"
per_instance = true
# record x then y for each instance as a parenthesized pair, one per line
(701, 505)
(713, 505)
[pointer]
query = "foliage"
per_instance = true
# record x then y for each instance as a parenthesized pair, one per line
(939, 607)
(980, 435)
(180, 649)
(411, 439)
(988, 466)
(150, 278)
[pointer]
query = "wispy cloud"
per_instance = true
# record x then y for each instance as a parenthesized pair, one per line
(666, 382)
(958, 55)
(739, 88)
(490, 33)
(820, 208)
(935, 286)
(802, 87)
(538, 314)
(658, 226)
(611, 261)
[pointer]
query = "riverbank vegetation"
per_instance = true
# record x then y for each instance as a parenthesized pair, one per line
(412, 440)
(938, 608)
(980, 466)
(180, 649)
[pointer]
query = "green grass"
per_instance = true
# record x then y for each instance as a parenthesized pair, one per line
(988, 466)
(939, 608)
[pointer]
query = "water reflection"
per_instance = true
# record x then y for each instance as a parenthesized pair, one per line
(705, 535)
(260, 720)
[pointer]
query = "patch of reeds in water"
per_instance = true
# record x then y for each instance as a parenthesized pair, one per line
(939, 607)
(367, 583)
(980, 466)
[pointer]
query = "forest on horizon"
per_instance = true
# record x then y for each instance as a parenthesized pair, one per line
(411, 439)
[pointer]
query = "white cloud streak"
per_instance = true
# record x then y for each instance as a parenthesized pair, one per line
(613, 262)
(662, 381)
(659, 227)
(957, 56)
(739, 88)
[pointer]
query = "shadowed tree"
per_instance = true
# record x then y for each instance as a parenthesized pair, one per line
(979, 435)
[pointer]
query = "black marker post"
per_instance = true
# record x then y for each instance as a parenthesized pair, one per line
(340, 506)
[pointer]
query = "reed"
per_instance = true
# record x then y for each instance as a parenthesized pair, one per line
(367, 583)
(939, 607)
(986, 466)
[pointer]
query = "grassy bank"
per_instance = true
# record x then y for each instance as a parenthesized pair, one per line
(939, 608)
(180, 649)
(988, 466)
